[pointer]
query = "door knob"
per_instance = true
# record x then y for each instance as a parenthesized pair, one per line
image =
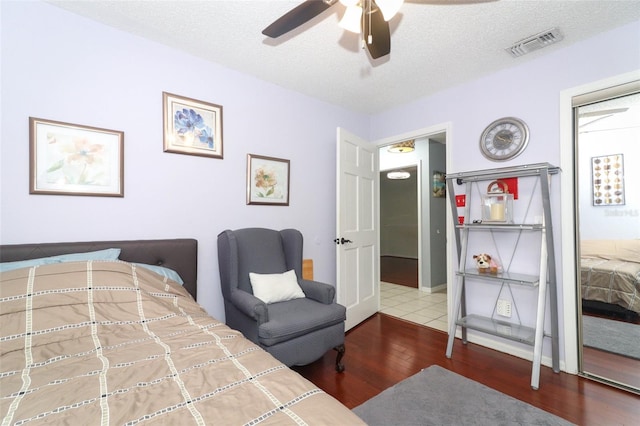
(342, 241)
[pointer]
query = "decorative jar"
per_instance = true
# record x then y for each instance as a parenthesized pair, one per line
(497, 203)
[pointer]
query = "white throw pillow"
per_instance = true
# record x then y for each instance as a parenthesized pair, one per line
(272, 288)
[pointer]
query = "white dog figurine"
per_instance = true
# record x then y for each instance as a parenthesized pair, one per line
(485, 264)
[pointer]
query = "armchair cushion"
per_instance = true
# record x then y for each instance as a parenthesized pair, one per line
(288, 320)
(272, 288)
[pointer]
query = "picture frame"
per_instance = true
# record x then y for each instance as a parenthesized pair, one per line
(191, 126)
(73, 159)
(267, 180)
(607, 178)
(439, 188)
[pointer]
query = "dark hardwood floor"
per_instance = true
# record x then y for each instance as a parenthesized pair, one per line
(384, 350)
(613, 367)
(399, 270)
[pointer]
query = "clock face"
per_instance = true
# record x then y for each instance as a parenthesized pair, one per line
(504, 139)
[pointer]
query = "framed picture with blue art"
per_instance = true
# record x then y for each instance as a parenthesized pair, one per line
(72, 159)
(267, 180)
(192, 127)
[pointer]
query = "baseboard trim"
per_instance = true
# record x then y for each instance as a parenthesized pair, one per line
(437, 289)
(398, 257)
(502, 346)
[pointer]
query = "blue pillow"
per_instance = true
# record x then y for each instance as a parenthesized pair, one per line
(161, 270)
(106, 254)
(9, 266)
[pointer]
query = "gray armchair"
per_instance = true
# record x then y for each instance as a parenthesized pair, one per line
(296, 332)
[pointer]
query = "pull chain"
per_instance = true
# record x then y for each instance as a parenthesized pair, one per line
(370, 36)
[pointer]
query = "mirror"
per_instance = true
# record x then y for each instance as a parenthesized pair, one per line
(607, 156)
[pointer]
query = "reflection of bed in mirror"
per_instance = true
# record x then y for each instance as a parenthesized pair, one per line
(610, 276)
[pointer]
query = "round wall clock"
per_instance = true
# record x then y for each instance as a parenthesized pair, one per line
(504, 139)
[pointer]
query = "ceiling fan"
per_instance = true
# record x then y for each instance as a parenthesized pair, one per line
(369, 18)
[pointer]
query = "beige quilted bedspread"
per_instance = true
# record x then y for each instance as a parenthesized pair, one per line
(109, 343)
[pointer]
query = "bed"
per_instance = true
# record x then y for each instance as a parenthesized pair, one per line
(610, 275)
(104, 341)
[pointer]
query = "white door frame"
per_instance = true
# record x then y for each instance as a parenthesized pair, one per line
(436, 129)
(569, 293)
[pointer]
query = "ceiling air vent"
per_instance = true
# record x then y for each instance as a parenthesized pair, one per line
(535, 42)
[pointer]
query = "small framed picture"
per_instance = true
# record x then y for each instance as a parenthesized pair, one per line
(607, 177)
(267, 180)
(191, 127)
(71, 159)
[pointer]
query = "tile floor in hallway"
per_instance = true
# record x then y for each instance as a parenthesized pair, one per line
(413, 305)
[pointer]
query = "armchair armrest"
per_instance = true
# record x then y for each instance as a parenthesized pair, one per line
(250, 305)
(321, 292)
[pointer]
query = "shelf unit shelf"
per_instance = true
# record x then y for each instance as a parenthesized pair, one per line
(510, 277)
(504, 329)
(501, 226)
(542, 283)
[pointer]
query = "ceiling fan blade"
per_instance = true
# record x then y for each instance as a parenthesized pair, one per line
(376, 27)
(296, 17)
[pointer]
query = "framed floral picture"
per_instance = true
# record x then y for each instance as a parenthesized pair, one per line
(71, 159)
(267, 180)
(191, 127)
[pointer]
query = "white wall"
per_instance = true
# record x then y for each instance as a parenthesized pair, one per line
(59, 66)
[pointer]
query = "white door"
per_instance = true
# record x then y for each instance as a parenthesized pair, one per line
(356, 227)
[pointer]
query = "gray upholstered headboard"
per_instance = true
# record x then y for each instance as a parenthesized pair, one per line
(181, 255)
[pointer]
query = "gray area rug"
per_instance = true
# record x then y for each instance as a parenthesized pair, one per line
(612, 336)
(437, 396)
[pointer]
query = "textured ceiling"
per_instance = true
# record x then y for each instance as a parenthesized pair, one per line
(435, 44)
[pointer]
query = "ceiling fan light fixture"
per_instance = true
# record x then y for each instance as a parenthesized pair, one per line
(362, 17)
(403, 147)
(351, 19)
(389, 8)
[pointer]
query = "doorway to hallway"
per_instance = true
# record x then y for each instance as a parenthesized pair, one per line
(413, 249)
